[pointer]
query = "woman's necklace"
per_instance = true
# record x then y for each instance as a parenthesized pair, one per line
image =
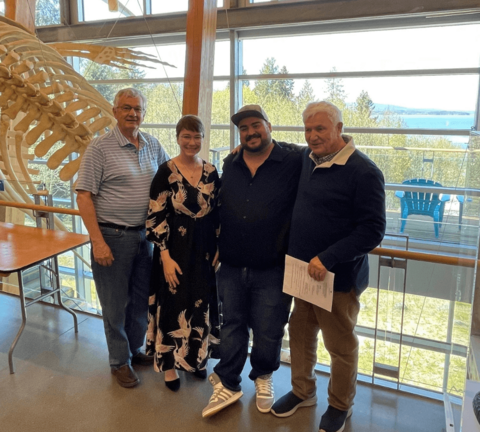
(191, 172)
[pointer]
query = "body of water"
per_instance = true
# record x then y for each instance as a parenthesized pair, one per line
(441, 122)
(438, 121)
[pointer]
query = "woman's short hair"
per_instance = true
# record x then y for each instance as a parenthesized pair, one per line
(332, 111)
(192, 123)
(130, 91)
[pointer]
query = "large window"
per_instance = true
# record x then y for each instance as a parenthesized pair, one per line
(96, 10)
(412, 113)
(409, 98)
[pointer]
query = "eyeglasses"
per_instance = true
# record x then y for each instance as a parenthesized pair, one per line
(127, 108)
(187, 138)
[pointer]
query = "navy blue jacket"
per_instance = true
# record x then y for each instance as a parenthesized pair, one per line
(339, 216)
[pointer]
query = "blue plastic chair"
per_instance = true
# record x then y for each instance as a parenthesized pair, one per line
(422, 203)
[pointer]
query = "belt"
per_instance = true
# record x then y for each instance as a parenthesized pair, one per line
(121, 227)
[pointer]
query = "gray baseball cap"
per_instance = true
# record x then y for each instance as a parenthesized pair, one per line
(249, 111)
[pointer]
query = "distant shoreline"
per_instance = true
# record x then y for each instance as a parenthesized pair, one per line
(424, 113)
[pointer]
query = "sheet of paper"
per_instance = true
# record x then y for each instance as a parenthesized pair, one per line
(298, 283)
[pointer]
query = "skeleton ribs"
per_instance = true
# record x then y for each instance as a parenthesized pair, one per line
(44, 103)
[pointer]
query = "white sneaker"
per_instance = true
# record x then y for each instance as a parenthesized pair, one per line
(265, 393)
(221, 397)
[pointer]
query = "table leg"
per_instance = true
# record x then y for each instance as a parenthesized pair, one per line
(59, 295)
(24, 321)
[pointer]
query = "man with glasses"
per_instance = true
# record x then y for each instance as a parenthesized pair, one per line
(113, 190)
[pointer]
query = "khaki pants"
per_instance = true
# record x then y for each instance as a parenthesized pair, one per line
(338, 330)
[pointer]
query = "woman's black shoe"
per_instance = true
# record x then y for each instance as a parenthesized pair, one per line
(200, 373)
(173, 385)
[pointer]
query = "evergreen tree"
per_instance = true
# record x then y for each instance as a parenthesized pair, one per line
(364, 105)
(285, 86)
(335, 91)
(271, 89)
(93, 71)
(305, 96)
(245, 83)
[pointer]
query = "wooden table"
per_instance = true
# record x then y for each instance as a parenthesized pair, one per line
(22, 247)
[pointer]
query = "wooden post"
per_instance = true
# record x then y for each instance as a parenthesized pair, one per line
(198, 84)
(21, 11)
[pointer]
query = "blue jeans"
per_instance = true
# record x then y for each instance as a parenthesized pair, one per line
(123, 290)
(251, 299)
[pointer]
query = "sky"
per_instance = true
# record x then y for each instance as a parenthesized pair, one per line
(402, 49)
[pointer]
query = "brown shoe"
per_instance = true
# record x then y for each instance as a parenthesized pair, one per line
(126, 376)
(142, 359)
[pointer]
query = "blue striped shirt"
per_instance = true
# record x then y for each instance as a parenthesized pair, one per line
(119, 176)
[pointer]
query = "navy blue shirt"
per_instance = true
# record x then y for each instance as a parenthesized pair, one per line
(255, 212)
(339, 215)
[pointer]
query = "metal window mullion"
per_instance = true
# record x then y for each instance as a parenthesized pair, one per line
(236, 96)
(360, 25)
(66, 9)
(137, 81)
(316, 75)
(477, 108)
(381, 131)
(366, 74)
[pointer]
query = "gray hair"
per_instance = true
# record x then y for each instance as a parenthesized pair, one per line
(130, 91)
(332, 111)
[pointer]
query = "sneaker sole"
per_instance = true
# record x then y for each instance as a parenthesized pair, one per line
(304, 404)
(223, 405)
(266, 410)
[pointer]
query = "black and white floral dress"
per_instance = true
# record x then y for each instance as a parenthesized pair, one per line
(183, 219)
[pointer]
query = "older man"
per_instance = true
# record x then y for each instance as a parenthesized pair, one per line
(339, 216)
(259, 185)
(113, 195)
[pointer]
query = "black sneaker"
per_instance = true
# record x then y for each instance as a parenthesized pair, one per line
(333, 420)
(142, 359)
(288, 404)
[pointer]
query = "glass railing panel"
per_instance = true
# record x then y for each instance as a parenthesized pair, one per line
(420, 334)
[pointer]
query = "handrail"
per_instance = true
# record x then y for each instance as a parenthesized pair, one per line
(425, 257)
(40, 208)
(393, 253)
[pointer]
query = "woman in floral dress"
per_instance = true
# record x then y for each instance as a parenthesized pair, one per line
(182, 223)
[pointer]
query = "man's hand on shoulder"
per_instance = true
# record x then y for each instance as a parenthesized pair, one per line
(293, 147)
(102, 254)
(316, 269)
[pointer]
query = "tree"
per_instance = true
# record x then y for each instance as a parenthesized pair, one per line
(305, 96)
(364, 105)
(47, 12)
(94, 71)
(285, 86)
(273, 88)
(335, 91)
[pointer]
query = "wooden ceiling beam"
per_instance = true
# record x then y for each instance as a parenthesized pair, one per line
(21, 11)
(200, 54)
